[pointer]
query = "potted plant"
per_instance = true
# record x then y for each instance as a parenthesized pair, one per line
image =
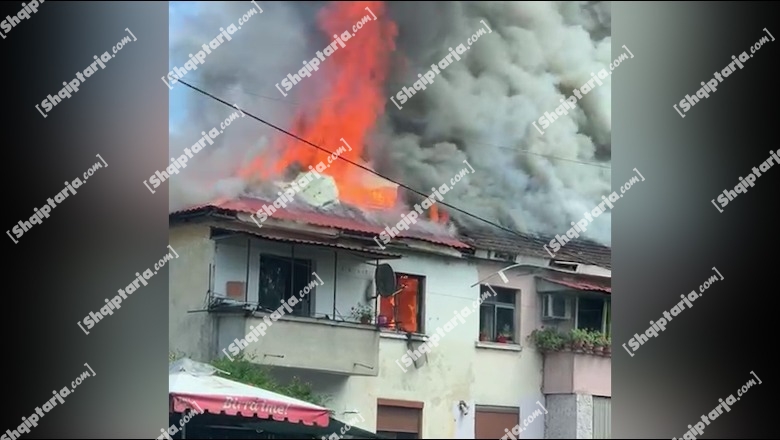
(578, 338)
(589, 342)
(362, 313)
(599, 342)
(505, 335)
(608, 346)
(567, 342)
(547, 339)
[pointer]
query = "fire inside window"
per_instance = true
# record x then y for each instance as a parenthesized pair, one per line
(403, 310)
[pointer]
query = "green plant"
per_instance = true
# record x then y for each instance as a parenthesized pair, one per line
(361, 311)
(579, 336)
(243, 370)
(599, 339)
(547, 339)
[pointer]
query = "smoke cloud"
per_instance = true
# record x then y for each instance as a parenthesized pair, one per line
(480, 108)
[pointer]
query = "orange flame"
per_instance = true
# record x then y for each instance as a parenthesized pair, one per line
(349, 109)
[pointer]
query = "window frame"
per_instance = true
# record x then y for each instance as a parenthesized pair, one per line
(415, 407)
(421, 289)
(551, 297)
(606, 314)
(511, 411)
(493, 302)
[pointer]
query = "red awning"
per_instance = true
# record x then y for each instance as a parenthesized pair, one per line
(580, 285)
(203, 391)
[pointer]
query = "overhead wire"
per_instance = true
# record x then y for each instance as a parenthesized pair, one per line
(402, 185)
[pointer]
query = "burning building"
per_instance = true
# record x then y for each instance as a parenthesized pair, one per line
(479, 109)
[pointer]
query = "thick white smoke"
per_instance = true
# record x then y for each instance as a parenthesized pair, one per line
(479, 108)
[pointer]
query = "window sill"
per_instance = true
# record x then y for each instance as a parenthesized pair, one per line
(498, 346)
(400, 336)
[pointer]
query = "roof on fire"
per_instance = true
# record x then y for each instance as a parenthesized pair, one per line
(354, 220)
(338, 217)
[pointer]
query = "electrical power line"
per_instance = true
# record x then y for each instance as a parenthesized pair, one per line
(349, 161)
(475, 141)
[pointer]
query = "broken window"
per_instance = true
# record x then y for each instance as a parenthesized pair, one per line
(403, 311)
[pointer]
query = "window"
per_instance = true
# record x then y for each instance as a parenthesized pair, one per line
(399, 419)
(404, 310)
(593, 314)
(497, 314)
(490, 422)
(280, 279)
(555, 306)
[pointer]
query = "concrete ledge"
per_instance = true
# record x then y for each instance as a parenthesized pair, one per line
(401, 336)
(497, 346)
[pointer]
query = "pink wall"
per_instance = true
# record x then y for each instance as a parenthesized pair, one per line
(573, 373)
(528, 313)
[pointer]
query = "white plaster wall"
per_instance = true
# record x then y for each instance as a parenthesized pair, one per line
(190, 333)
(448, 376)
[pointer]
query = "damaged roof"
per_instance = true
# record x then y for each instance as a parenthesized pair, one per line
(337, 216)
(355, 220)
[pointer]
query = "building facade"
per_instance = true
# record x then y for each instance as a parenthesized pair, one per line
(447, 356)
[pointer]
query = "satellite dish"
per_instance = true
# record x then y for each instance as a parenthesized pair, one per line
(384, 277)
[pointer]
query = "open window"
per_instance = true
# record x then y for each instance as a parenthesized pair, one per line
(594, 314)
(404, 311)
(282, 278)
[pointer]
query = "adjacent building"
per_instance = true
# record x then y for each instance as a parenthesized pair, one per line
(479, 377)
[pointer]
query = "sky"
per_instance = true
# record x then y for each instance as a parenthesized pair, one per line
(178, 13)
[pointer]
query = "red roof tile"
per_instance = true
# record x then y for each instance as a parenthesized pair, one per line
(580, 284)
(343, 218)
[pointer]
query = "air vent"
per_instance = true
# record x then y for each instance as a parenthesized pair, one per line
(565, 265)
(504, 256)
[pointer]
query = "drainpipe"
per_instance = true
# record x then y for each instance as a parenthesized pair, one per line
(335, 281)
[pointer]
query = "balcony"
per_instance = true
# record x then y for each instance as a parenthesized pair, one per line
(313, 344)
(569, 372)
(331, 282)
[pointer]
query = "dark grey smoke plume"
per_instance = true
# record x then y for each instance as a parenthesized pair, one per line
(478, 109)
